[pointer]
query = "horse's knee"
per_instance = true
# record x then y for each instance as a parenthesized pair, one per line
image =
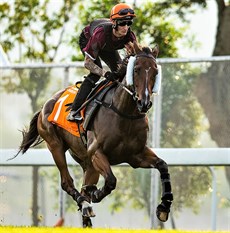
(65, 187)
(162, 166)
(111, 183)
(99, 194)
(67, 184)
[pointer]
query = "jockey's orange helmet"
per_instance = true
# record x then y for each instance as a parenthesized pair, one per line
(122, 11)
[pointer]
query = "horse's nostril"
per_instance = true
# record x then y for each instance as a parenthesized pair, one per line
(149, 105)
(144, 106)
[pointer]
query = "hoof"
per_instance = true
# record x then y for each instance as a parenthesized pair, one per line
(96, 197)
(162, 212)
(87, 210)
(86, 222)
(162, 216)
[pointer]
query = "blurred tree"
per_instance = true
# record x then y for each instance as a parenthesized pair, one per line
(213, 91)
(37, 30)
(33, 26)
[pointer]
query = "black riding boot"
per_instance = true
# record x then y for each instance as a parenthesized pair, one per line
(80, 98)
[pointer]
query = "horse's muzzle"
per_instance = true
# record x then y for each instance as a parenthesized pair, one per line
(143, 107)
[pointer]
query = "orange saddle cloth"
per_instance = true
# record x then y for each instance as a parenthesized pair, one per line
(59, 113)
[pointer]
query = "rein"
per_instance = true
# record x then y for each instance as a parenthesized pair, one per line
(112, 107)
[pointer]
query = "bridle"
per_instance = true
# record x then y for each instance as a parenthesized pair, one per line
(129, 87)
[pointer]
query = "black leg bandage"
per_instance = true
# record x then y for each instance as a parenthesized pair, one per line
(165, 180)
(166, 187)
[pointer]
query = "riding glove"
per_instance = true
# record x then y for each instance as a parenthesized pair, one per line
(111, 76)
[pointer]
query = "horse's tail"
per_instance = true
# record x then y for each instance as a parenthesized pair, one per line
(31, 137)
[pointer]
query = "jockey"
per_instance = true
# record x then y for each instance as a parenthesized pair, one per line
(100, 41)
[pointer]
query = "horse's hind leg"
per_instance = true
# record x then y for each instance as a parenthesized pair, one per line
(150, 160)
(67, 183)
(56, 146)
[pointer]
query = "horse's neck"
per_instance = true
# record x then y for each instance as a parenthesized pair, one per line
(124, 102)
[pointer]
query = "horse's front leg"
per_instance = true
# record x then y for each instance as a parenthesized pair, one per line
(102, 166)
(150, 160)
(91, 177)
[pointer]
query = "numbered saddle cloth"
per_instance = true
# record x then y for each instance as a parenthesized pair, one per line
(59, 113)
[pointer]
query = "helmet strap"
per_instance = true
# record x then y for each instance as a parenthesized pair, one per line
(115, 26)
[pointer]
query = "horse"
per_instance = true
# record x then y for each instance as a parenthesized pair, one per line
(117, 134)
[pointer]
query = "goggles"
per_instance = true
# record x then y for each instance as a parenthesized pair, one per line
(126, 11)
(123, 23)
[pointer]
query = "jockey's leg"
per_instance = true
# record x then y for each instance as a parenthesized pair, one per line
(85, 88)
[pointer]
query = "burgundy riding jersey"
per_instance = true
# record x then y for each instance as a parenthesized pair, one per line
(97, 42)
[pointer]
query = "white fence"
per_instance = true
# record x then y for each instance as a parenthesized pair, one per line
(173, 156)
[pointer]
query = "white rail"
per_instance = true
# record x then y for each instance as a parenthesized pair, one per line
(173, 156)
(81, 63)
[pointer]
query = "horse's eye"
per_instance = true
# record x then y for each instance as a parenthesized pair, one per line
(154, 76)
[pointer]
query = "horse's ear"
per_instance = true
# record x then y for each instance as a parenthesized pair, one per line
(155, 51)
(137, 49)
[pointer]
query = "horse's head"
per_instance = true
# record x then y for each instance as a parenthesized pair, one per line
(141, 75)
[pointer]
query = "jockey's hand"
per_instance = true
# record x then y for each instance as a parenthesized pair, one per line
(111, 76)
(122, 70)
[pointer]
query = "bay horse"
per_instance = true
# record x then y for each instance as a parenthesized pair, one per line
(115, 137)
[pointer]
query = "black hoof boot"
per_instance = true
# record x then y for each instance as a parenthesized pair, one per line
(163, 210)
(86, 222)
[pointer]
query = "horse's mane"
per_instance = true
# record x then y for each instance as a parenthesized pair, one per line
(122, 65)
